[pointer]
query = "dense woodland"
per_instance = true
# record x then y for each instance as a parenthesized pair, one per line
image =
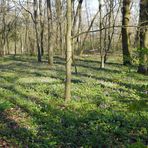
(74, 73)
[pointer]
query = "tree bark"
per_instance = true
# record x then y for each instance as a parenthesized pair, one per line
(15, 43)
(3, 27)
(50, 35)
(60, 34)
(41, 27)
(68, 52)
(100, 25)
(27, 29)
(143, 22)
(36, 30)
(125, 33)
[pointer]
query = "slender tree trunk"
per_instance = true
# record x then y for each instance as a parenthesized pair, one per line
(86, 35)
(78, 44)
(100, 25)
(41, 27)
(76, 29)
(50, 35)
(59, 34)
(88, 20)
(78, 12)
(26, 37)
(125, 34)
(27, 30)
(143, 22)
(8, 48)
(22, 44)
(111, 21)
(3, 27)
(36, 30)
(15, 46)
(68, 52)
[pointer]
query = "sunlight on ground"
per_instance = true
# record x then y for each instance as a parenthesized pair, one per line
(105, 107)
(36, 80)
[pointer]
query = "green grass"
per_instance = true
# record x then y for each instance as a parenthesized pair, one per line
(109, 107)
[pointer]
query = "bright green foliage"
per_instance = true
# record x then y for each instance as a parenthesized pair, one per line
(143, 50)
(5, 105)
(137, 145)
(109, 106)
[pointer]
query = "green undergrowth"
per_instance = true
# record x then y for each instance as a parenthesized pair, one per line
(109, 106)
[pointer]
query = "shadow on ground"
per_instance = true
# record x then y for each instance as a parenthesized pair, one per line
(56, 124)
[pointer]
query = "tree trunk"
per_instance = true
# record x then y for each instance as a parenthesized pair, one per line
(86, 35)
(68, 52)
(125, 34)
(36, 30)
(8, 48)
(15, 43)
(111, 32)
(100, 25)
(27, 29)
(41, 27)
(4, 28)
(22, 45)
(50, 35)
(143, 22)
(59, 39)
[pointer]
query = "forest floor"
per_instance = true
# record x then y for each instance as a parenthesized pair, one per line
(109, 106)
